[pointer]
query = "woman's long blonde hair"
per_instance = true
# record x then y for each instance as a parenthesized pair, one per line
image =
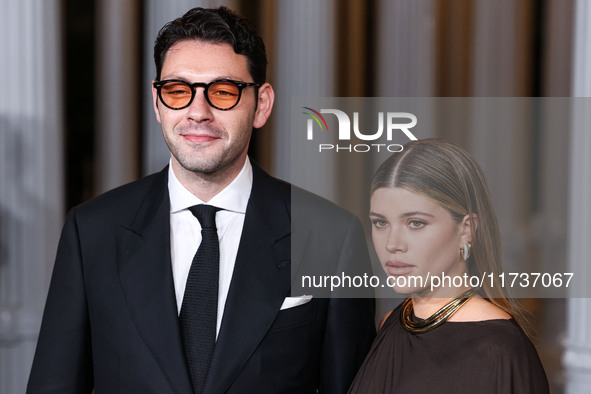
(449, 176)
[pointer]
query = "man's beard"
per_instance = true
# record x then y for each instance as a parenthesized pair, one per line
(210, 162)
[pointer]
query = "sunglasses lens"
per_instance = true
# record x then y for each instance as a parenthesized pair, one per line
(223, 94)
(176, 94)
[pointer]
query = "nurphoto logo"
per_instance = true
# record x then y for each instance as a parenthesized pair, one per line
(390, 122)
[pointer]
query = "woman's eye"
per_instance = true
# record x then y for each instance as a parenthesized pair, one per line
(379, 223)
(416, 224)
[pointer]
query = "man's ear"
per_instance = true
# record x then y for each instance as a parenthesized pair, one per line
(266, 98)
(466, 226)
(155, 102)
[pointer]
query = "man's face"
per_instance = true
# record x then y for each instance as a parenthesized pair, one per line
(203, 139)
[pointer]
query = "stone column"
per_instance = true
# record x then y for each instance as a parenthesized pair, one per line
(304, 67)
(499, 70)
(406, 48)
(406, 54)
(117, 102)
(577, 357)
(31, 176)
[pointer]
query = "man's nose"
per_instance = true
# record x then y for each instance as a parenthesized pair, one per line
(200, 110)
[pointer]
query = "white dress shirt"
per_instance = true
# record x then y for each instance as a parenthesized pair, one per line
(185, 231)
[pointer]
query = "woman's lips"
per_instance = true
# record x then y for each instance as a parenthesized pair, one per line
(398, 268)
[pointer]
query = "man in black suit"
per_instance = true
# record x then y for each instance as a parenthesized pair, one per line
(125, 259)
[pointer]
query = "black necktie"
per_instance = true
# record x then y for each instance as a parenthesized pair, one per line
(198, 316)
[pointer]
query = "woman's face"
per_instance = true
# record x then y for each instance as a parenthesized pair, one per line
(415, 237)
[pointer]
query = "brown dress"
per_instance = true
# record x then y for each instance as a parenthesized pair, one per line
(492, 356)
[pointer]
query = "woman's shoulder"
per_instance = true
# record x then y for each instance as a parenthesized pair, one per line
(386, 316)
(492, 332)
(494, 328)
(389, 317)
(479, 309)
(511, 356)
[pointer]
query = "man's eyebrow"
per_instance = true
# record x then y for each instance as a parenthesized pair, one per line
(217, 78)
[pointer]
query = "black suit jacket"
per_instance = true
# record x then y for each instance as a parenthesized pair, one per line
(111, 322)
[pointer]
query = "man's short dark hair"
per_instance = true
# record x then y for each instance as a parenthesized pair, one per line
(218, 26)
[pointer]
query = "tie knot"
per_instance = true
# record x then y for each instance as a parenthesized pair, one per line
(205, 214)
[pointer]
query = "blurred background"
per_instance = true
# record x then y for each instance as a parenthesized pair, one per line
(76, 119)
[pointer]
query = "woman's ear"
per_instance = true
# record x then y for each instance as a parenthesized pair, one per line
(467, 224)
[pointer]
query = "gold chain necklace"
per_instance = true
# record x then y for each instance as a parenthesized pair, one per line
(436, 319)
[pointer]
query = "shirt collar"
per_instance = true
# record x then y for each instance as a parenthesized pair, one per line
(233, 197)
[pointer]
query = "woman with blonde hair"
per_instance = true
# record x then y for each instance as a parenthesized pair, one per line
(433, 218)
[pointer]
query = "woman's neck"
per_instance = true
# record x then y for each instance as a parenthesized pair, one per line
(424, 307)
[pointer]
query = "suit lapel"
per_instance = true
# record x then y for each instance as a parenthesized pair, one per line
(146, 277)
(260, 281)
